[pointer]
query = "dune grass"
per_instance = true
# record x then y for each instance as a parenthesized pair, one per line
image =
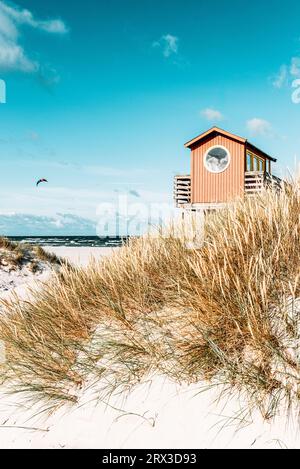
(17, 254)
(225, 311)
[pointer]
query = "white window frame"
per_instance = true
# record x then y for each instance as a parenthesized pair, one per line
(206, 154)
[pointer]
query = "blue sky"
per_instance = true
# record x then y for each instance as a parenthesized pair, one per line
(102, 95)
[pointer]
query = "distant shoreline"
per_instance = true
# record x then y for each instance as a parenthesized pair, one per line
(72, 241)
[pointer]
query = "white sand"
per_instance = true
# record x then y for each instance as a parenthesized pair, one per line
(156, 415)
(21, 284)
(160, 415)
(81, 256)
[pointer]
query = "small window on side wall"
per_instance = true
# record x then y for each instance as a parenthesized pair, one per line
(249, 162)
(255, 163)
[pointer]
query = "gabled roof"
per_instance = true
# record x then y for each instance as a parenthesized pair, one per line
(218, 131)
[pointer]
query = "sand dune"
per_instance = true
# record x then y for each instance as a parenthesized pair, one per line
(157, 414)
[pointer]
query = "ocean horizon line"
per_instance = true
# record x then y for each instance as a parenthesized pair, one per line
(71, 240)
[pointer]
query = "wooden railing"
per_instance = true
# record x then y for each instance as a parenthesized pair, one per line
(182, 190)
(255, 181)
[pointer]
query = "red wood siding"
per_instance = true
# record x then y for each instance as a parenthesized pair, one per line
(217, 188)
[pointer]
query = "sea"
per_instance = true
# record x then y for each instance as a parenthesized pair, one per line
(71, 241)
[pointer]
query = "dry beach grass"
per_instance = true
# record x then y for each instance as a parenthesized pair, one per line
(21, 263)
(224, 312)
(14, 254)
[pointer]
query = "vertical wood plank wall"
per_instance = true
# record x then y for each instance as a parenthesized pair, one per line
(214, 188)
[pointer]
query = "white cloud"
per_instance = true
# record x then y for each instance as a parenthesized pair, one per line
(212, 114)
(168, 45)
(84, 212)
(62, 224)
(12, 54)
(26, 17)
(258, 127)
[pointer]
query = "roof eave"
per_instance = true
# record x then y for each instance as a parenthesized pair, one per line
(249, 144)
(200, 137)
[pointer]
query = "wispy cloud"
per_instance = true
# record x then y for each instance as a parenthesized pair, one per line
(62, 224)
(212, 114)
(113, 172)
(87, 169)
(80, 211)
(168, 44)
(13, 55)
(259, 127)
(26, 17)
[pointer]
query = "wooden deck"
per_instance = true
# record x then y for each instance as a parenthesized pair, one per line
(255, 181)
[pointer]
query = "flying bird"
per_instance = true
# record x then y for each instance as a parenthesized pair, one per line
(40, 181)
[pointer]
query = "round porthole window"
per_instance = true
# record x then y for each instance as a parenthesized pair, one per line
(217, 159)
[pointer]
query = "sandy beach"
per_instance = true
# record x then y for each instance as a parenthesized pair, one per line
(158, 414)
(80, 255)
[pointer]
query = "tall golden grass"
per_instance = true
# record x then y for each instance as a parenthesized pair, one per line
(223, 312)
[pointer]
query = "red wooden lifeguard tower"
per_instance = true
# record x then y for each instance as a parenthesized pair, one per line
(224, 166)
